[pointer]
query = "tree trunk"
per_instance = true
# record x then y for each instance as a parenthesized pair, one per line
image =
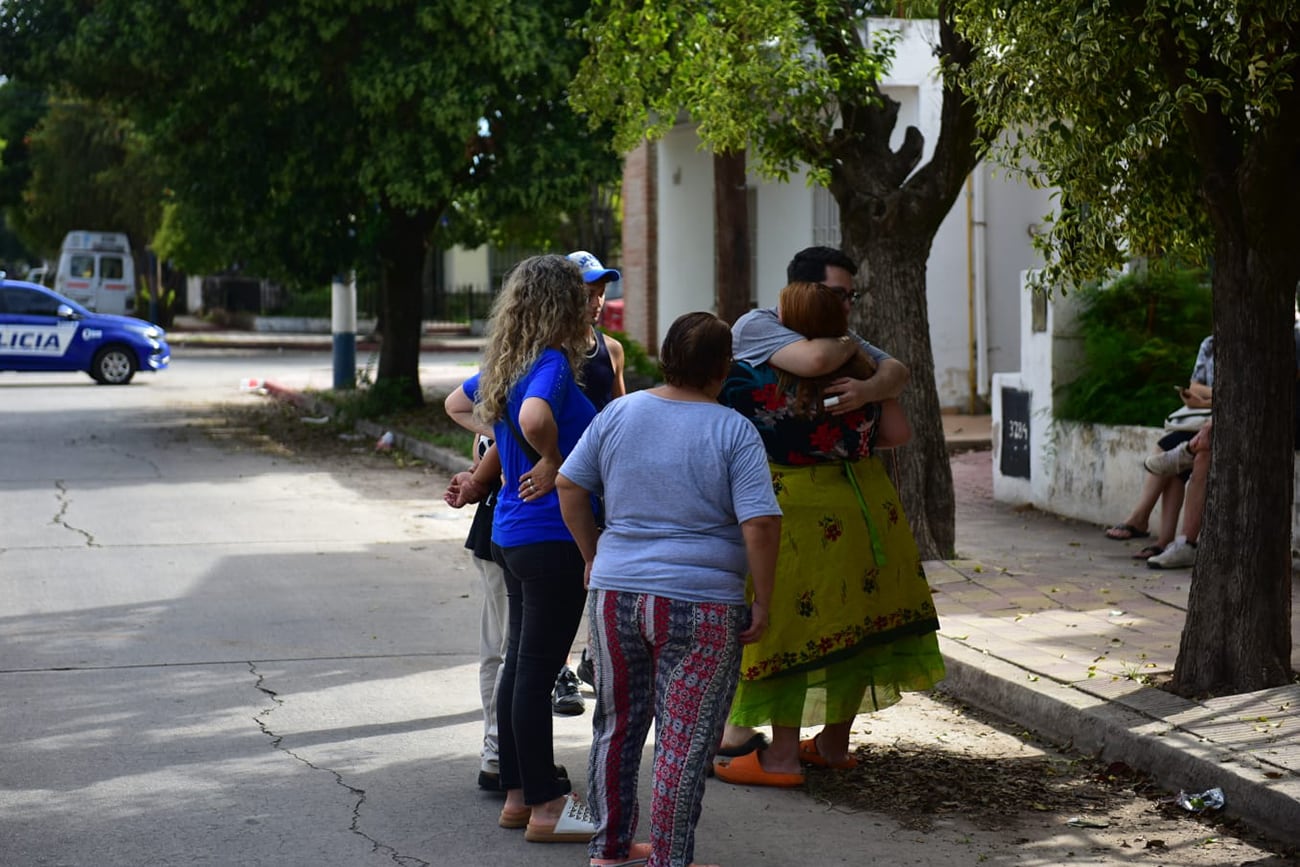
(401, 264)
(894, 315)
(731, 236)
(891, 206)
(1237, 637)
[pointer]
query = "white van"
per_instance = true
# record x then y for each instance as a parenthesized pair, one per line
(96, 270)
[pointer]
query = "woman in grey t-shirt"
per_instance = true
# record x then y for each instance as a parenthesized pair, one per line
(689, 509)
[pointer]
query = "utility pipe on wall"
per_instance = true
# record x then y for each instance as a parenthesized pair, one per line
(977, 290)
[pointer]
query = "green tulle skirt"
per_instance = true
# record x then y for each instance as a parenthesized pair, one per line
(852, 623)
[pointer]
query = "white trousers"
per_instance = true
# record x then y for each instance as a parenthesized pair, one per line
(491, 654)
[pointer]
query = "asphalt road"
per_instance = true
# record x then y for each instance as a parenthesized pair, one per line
(170, 604)
(210, 654)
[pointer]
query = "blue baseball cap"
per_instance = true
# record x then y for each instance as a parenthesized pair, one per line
(592, 270)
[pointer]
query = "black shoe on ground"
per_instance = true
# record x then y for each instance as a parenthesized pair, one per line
(490, 782)
(587, 670)
(565, 699)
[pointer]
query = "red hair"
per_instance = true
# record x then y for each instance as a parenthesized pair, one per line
(816, 310)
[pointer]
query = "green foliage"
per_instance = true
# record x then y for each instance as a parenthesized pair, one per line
(317, 302)
(162, 309)
(21, 107)
(1140, 337)
(741, 68)
(374, 400)
(306, 138)
(88, 168)
(1131, 111)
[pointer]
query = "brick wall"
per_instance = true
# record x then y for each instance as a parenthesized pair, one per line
(641, 247)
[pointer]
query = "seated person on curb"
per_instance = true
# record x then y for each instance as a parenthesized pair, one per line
(1195, 455)
(1168, 489)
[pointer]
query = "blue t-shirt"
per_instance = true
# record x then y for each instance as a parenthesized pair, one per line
(678, 477)
(551, 379)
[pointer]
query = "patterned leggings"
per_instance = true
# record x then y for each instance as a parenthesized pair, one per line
(686, 657)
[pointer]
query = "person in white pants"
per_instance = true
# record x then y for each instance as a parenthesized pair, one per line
(493, 621)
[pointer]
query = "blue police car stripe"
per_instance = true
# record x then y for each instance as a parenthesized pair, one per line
(37, 340)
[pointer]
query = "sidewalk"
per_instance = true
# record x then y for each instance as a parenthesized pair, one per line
(1047, 623)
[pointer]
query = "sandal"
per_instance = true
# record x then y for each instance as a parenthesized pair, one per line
(574, 825)
(810, 754)
(637, 854)
(1124, 532)
(1148, 552)
(747, 770)
(515, 818)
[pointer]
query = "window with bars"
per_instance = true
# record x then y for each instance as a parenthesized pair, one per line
(826, 219)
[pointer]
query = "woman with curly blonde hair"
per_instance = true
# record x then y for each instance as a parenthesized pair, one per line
(526, 398)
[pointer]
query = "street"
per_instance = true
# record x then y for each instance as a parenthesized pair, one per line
(212, 653)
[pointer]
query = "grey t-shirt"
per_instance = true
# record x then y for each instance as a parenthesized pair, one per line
(678, 478)
(759, 334)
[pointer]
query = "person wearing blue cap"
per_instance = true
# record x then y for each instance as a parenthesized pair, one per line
(603, 372)
(602, 381)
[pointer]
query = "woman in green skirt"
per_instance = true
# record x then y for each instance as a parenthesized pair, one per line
(852, 621)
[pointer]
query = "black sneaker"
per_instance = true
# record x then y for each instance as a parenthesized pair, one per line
(565, 699)
(587, 670)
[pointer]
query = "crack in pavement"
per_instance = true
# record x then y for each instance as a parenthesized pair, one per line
(59, 517)
(277, 742)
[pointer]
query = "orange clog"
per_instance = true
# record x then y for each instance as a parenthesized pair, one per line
(810, 755)
(747, 770)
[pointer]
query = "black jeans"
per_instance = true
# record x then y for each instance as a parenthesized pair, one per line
(546, 597)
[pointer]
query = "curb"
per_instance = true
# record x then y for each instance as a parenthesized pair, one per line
(199, 340)
(1113, 731)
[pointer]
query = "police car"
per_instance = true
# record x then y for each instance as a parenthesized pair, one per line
(42, 330)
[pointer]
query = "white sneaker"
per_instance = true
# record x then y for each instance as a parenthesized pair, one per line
(1180, 554)
(1170, 463)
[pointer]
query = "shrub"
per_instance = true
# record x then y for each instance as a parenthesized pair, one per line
(639, 369)
(1140, 336)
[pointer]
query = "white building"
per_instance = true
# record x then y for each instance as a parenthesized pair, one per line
(973, 276)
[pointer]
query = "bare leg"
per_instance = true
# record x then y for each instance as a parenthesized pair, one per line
(833, 742)
(1171, 503)
(734, 736)
(545, 814)
(782, 757)
(1152, 487)
(1194, 503)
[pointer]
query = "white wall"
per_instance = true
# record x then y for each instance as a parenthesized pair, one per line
(1011, 211)
(785, 221)
(466, 267)
(685, 184)
(1083, 471)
